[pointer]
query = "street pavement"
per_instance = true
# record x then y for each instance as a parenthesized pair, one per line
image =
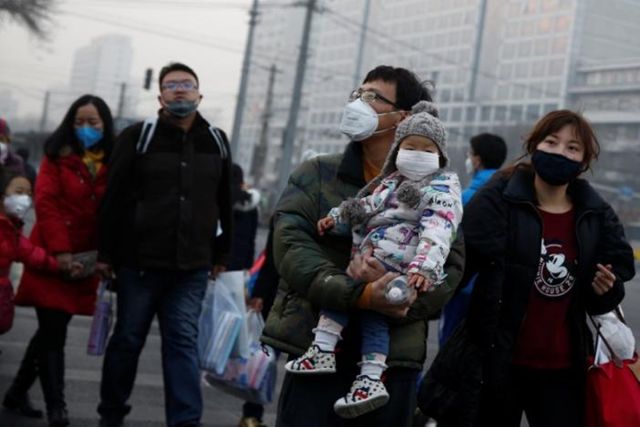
(83, 373)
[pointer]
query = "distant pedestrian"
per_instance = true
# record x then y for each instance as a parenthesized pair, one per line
(8, 159)
(487, 153)
(73, 178)
(166, 224)
(245, 222)
(29, 170)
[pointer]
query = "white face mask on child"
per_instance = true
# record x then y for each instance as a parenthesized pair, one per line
(415, 165)
(17, 205)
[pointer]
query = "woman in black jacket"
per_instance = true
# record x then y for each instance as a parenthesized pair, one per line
(548, 250)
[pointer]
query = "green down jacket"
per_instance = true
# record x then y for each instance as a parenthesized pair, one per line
(312, 268)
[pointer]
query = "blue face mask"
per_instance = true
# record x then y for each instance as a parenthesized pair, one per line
(89, 136)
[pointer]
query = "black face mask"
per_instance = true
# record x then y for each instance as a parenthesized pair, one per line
(555, 169)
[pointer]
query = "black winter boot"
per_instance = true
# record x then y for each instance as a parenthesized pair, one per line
(17, 398)
(58, 417)
(51, 366)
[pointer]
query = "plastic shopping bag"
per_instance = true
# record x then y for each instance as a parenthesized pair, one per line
(252, 379)
(612, 387)
(219, 325)
(617, 334)
(102, 320)
(233, 281)
(255, 385)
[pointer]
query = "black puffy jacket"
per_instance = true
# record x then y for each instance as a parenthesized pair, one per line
(161, 208)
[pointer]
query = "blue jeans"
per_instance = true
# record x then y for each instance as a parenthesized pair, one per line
(374, 328)
(176, 297)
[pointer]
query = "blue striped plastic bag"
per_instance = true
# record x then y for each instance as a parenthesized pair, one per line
(219, 326)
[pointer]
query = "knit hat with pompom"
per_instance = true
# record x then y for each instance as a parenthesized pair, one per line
(424, 122)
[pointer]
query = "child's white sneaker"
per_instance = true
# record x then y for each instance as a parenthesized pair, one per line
(366, 395)
(314, 361)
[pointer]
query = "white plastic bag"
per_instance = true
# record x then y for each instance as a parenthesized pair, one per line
(252, 379)
(219, 326)
(618, 335)
(233, 281)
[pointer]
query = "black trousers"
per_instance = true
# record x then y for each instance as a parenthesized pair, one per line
(307, 400)
(549, 398)
(51, 334)
(45, 358)
(52, 329)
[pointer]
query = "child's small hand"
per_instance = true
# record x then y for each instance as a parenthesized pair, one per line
(325, 224)
(420, 282)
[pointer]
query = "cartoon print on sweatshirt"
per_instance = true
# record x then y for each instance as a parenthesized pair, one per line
(554, 278)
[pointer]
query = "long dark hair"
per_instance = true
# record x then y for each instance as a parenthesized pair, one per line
(551, 123)
(64, 135)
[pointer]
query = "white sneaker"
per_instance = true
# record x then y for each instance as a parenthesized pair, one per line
(366, 395)
(314, 361)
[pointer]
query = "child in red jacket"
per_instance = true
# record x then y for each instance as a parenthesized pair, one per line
(15, 196)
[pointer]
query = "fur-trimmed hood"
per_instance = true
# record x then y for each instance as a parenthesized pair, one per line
(250, 204)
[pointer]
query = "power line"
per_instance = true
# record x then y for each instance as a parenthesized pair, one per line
(387, 37)
(184, 3)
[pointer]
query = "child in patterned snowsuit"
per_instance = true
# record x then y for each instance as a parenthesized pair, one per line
(407, 223)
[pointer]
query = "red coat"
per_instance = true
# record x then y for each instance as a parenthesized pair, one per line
(67, 201)
(15, 247)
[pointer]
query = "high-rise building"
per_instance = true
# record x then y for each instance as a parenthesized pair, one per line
(103, 68)
(497, 65)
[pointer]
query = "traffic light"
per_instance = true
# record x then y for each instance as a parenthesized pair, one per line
(148, 76)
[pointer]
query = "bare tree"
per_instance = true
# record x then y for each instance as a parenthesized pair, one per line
(33, 13)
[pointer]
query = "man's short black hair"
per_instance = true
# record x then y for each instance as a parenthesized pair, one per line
(491, 148)
(176, 66)
(409, 89)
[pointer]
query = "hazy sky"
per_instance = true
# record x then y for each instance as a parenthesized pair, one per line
(209, 36)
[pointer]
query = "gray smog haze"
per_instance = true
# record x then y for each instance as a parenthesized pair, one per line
(209, 35)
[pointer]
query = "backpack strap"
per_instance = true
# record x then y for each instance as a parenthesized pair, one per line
(224, 151)
(148, 129)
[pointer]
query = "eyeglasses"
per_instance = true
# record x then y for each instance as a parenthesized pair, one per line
(370, 96)
(184, 85)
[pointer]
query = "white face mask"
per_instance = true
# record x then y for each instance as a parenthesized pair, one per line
(468, 165)
(415, 165)
(360, 120)
(17, 205)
